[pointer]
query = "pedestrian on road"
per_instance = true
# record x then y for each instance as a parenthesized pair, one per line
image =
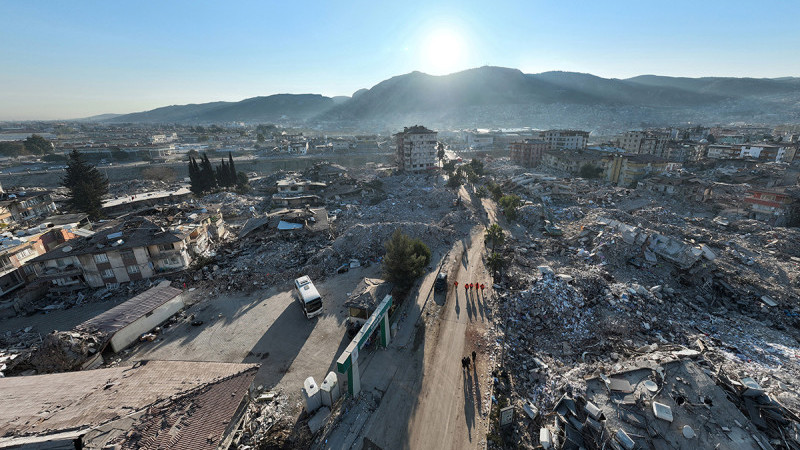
(466, 360)
(482, 286)
(466, 288)
(455, 283)
(474, 355)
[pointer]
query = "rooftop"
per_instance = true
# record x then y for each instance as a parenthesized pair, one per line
(369, 293)
(129, 311)
(131, 233)
(53, 403)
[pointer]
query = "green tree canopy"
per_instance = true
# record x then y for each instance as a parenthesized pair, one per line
(86, 185)
(495, 236)
(510, 203)
(405, 259)
(37, 145)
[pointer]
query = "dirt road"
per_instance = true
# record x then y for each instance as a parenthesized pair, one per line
(452, 399)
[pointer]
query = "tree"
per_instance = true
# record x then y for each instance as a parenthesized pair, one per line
(260, 138)
(455, 180)
(495, 236)
(495, 190)
(194, 177)
(440, 152)
(449, 167)
(477, 166)
(206, 175)
(231, 169)
(510, 203)
(37, 145)
(711, 139)
(86, 185)
(495, 263)
(405, 259)
(13, 148)
(482, 192)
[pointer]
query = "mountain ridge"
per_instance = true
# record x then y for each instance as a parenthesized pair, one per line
(506, 96)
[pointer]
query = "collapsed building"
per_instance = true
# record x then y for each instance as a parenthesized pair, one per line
(153, 404)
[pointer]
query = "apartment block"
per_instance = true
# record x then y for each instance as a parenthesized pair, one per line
(416, 149)
(528, 152)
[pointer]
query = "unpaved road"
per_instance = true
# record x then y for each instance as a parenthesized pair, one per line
(450, 404)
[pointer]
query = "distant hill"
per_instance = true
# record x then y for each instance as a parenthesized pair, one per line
(257, 109)
(497, 96)
(98, 118)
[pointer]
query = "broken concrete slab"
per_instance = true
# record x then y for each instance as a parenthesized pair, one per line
(318, 420)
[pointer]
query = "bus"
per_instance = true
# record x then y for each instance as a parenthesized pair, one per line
(308, 296)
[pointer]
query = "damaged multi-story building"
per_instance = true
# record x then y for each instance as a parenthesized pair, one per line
(131, 249)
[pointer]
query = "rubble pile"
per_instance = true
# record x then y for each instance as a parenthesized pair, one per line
(265, 419)
(133, 187)
(366, 241)
(237, 206)
(61, 351)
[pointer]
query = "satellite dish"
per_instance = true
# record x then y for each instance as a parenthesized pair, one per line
(67, 249)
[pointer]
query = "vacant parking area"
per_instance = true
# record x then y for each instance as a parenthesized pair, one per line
(267, 328)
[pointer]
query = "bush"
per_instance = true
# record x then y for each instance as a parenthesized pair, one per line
(405, 260)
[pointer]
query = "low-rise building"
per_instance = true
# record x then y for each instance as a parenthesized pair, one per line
(129, 250)
(123, 324)
(776, 206)
(22, 207)
(415, 149)
(14, 255)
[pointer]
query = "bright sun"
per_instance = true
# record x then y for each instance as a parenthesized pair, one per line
(444, 52)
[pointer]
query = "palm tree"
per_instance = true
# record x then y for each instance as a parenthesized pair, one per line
(495, 262)
(495, 236)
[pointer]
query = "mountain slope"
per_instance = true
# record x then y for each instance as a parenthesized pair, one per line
(257, 109)
(497, 96)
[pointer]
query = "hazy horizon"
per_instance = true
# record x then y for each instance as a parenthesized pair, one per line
(68, 62)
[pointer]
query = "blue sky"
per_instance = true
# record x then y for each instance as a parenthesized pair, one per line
(75, 59)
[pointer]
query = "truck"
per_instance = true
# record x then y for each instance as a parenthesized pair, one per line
(308, 296)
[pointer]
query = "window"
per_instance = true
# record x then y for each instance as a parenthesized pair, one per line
(165, 247)
(108, 273)
(127, 254)
(101, 258)
(132, 269)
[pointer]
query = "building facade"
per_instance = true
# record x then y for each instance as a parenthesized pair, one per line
(565, 139)
(528, 152)
(644, 142)
(415, 149)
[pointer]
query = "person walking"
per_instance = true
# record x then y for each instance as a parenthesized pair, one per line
(466, 360)
(474, 355)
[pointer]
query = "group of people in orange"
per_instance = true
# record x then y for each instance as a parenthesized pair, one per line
(469, 286)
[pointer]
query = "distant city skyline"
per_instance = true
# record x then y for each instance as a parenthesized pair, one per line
(73, 60)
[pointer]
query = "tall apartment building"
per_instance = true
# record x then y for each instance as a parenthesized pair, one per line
(416, 149)
(644, 142)
(565, 139)
(528, 152)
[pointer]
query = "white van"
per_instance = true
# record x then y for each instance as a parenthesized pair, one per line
(308, 296)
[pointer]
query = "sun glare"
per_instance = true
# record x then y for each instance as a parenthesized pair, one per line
(444, 52)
